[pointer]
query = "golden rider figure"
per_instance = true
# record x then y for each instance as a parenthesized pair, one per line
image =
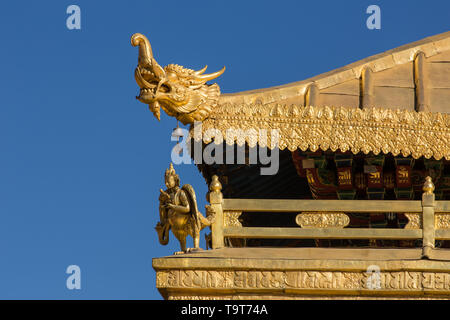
(178, 211)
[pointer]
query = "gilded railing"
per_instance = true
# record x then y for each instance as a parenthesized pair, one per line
(429, 220)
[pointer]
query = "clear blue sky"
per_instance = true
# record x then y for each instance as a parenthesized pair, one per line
(82, 161)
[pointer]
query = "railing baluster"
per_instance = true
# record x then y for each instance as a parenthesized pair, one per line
(215, 198)
(428, 205)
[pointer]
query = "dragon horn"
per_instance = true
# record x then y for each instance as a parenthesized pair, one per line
(199, 72)
(146, 59)
(207, 77)
(145, 49)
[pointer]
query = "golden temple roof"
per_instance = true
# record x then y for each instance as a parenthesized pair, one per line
(390, 81)
(394, 102)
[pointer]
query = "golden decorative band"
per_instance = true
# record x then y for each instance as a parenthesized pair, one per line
(313, 280)
(376, 130)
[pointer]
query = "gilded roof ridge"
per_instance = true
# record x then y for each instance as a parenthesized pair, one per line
(430, 46)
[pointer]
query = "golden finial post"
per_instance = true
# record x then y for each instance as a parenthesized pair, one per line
(428, 217)
(428, 186)
(215, 198)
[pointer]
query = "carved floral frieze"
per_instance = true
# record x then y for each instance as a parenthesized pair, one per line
(376, 130)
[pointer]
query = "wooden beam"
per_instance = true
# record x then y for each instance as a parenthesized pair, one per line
(374, 206)
(442, 234)
(299, 233)
(442, 206)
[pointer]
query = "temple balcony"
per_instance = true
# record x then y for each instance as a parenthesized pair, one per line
(320, 257)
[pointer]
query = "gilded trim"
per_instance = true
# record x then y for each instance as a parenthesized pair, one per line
(376, 130)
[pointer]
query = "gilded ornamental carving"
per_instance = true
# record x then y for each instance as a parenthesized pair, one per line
(441, 220)
(376, 130)
(414, 220)
(408, 281)
(182, 93)
(231, 219)
(322, 220)
(178, 211)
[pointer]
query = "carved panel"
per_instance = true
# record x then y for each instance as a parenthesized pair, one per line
(231, 218)
(414, 220)
(442, 221)
(310, 279)
(322, 220)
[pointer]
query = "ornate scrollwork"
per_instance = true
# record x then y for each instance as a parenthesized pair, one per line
(414, 220)
(231, 218)
(322, 220)
(376, 130)
(442, 221)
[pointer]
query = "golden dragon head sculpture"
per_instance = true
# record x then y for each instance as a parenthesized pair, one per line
(182, 93)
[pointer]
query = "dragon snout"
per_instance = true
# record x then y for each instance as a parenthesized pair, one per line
(146, 95)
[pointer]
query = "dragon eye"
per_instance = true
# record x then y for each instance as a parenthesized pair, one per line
(165, 88)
